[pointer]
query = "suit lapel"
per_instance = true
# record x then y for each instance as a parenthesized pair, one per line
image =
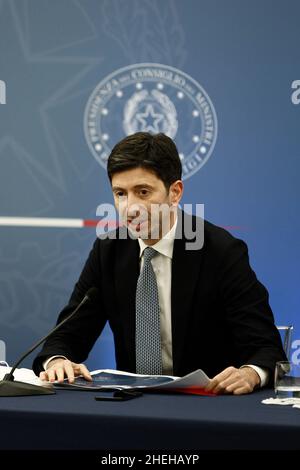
(126, 275)
(185, 273)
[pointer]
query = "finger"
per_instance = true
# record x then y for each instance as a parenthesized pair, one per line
(215, 381)
(81, 369)
(243, 390)
(43, 376)
(216, 386)
(226, 373)
(51, 375)
(69, 371)
(220, 388)
(60, 374)
(243, 382)
(234, 378)
(211, 385)
(227, 385)
(235, 385)
(85, 372)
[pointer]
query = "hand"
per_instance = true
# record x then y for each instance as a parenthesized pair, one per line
(236, 381)
(59, 368)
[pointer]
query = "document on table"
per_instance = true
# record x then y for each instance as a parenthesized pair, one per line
(103, 379)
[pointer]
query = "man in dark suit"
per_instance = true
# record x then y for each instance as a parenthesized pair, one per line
(182, 307)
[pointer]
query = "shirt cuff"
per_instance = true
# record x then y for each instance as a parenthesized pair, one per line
(263, 374)
(45, 363)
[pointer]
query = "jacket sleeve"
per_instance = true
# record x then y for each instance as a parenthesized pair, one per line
(76, 338)
(250, 320)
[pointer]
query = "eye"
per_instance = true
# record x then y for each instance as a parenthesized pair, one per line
(144, 192)
(119, 193)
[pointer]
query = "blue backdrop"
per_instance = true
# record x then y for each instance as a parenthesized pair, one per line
(54, 53)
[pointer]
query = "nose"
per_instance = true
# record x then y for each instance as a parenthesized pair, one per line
(132, 205)
(133, 211)
(132, 199)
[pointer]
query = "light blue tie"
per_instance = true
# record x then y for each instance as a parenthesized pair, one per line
(147, 336)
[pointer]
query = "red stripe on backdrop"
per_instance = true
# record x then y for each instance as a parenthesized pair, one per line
(91, 223)
(111, 224)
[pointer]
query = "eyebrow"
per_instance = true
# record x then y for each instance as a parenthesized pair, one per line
(137, 186)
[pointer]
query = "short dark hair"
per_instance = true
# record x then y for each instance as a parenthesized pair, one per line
(156, 152)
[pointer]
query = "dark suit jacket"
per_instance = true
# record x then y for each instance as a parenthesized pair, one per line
(220, 311)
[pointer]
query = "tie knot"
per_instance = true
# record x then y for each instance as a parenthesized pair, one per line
(149, 253)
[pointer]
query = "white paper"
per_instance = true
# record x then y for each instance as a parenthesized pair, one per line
(282, 401)
(24, 375)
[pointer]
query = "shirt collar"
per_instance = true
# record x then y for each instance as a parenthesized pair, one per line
(164, 246)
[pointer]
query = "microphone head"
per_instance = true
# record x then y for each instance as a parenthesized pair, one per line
(92, 294)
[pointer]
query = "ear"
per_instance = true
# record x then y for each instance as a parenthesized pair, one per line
(175, 192)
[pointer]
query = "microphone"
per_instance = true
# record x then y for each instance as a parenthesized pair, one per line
(9, 387)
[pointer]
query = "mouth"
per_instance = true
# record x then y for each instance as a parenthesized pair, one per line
(136, 225)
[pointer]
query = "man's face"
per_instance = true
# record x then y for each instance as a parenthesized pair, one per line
(145, 206)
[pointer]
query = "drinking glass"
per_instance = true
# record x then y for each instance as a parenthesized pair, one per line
(287, 379)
